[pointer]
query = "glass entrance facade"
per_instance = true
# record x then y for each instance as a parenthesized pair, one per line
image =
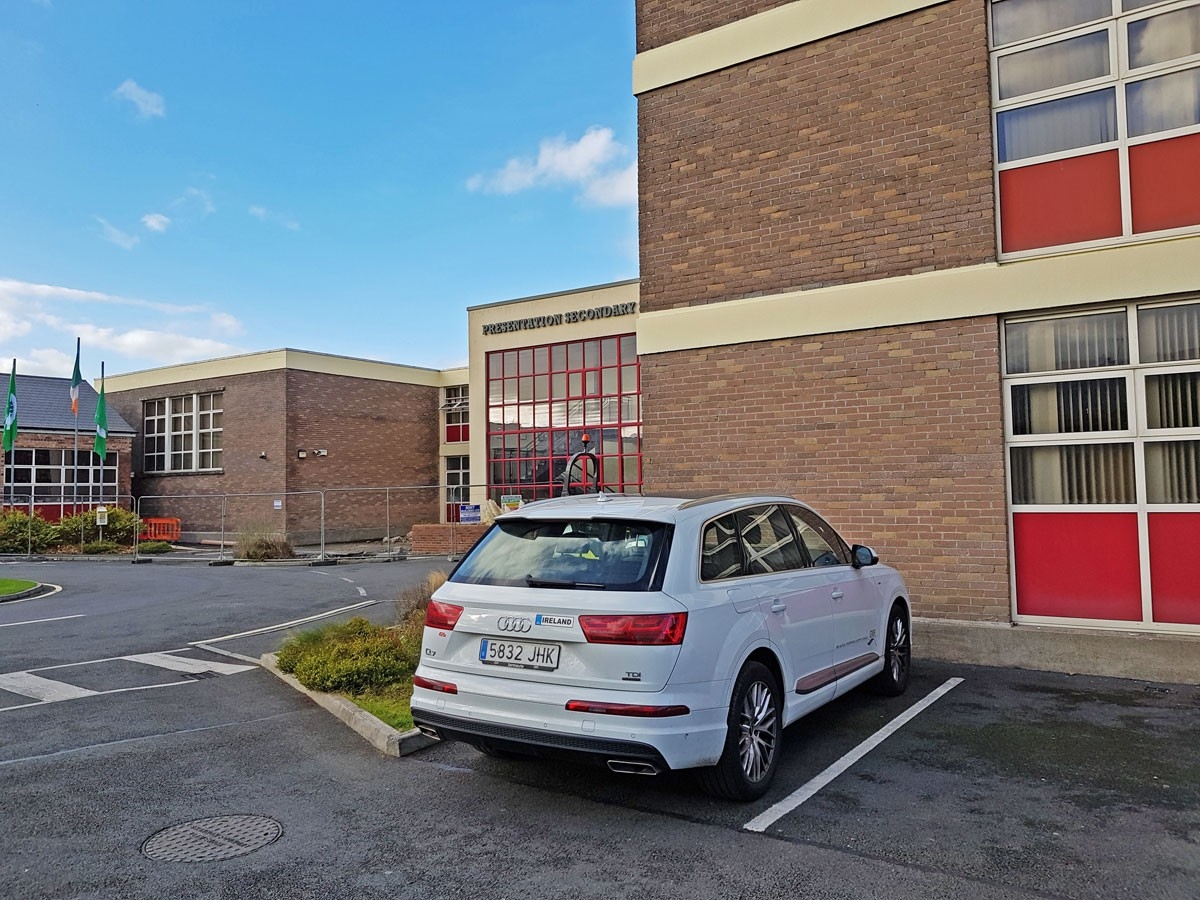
(542, 400)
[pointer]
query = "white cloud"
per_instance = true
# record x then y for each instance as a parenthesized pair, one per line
(196, 197)
(129, 333)
(156, 222)
(44, 361)
(115, 235)
(226, 324)
(148, 103)
(265, 215)
(587, 163)
(160, 346)
(617, 188)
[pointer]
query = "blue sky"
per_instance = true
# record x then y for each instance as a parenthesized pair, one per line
(180, 181)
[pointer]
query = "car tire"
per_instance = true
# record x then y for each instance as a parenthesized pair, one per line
(897, 654)
(753, 739)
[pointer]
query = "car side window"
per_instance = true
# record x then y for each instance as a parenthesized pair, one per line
(769, 543)
(824, 546)
(721, 552)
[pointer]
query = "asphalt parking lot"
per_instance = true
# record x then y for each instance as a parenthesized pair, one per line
(1011, 784)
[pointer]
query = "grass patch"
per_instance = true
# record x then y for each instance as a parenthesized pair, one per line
(14, 586)
(389, 705)
(370, 664)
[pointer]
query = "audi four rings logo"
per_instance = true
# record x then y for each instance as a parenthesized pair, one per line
(514, 623)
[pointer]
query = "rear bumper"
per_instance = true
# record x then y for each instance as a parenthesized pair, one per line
(598, 750)
(533, 717)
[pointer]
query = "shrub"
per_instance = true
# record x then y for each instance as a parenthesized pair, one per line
(414, 599)
(263, 542)
(154, 547)
(351, 657)
(19, 533)
(122, 527)
(93, 548)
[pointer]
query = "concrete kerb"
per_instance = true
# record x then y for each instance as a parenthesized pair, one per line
(28, 592)
(381, 736)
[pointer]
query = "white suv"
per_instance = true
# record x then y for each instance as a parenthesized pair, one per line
(650, 633)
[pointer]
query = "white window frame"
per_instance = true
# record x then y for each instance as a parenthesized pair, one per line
(168, 434)
(1139, 436)
(1121, 77)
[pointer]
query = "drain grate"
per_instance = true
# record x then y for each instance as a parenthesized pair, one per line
(212, 839)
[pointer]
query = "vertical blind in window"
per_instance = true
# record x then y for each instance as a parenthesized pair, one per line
(1169, 333)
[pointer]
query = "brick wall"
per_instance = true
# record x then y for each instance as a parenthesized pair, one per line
(376, 434)
(895, 434)
(862, 156)
(444, 540)
(660, 22)
(253, 422)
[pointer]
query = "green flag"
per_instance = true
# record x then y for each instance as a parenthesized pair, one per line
(10, 411)
(101, 444)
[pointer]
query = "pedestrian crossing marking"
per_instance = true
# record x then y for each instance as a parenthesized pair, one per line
(43, 689)
(186, 664)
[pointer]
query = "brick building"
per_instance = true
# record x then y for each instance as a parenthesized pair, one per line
(933, 267)
(44, 463)
(277, 429)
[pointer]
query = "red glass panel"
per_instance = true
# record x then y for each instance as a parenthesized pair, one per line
(1061, 202)
(1078, 565)
(1173, 582)
(1164, 183)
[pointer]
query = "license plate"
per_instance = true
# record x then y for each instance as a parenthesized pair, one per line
(519, 654)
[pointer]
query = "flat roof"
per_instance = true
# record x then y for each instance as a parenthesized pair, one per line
(585, 290)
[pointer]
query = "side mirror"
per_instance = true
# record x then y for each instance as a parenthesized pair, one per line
(863, 556)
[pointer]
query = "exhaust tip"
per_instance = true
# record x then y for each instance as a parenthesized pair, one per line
(632, 767)
(429, 732)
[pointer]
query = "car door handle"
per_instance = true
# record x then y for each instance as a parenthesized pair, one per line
(778, 607)
(838, 595)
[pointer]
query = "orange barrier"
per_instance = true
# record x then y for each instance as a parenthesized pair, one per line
(160, 529)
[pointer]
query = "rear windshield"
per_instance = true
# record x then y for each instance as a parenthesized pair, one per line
(586, 554)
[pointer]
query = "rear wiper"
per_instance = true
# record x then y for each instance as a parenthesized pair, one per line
(569, 585)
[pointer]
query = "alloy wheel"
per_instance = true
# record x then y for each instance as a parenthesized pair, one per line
(759, 727)
(899, 649)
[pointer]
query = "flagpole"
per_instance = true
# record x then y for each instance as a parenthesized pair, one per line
(75, 410)
(105, 448)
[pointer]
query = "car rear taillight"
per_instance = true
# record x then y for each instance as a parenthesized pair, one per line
(442, 615)
(659, 628)
(444, 687)
(626, 709)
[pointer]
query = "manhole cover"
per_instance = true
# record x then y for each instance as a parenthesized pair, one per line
(212, 839)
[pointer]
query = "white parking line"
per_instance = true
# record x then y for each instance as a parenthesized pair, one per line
(282, 625)
(766, 819)
(36, 621)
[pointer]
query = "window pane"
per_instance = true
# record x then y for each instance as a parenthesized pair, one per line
(1075, 342)
(1054, 65)
(1070, 407)
(1079, 474)
(1172, 35)
(628, 348)
(1057, 125)
(1169, 333)
(1173, 472)
(1128, 5)
(1173, 400)
(768, 540)
(721, 554)
(1016, 20)
(1163, 103)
